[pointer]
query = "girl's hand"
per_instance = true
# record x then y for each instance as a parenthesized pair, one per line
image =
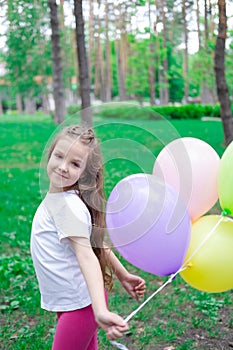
(134, 285)
(113, 324)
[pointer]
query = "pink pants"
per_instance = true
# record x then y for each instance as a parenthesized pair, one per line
(76, 330)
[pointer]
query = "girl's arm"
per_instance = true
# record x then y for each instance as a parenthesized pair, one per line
(113, 324)
(133, 284)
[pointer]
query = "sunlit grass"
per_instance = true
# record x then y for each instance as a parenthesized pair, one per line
(178, 316)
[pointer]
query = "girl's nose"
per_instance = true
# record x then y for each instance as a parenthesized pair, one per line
(63, 167)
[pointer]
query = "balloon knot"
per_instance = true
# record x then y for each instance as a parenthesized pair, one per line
(186, 266)
(225, 212)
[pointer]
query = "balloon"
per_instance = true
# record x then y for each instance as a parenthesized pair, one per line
(148, 224)
(225, 180)
(211, 268)
(191, 166)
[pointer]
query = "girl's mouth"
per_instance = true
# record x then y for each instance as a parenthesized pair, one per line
(61, 175)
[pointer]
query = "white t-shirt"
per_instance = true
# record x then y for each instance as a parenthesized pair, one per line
(61, 282)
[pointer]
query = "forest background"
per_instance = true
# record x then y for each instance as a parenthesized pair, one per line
(161, 52)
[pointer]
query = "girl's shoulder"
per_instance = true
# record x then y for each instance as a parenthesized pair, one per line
(69, 213)
(65, 202)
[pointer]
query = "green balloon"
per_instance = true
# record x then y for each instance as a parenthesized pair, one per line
(225, 180)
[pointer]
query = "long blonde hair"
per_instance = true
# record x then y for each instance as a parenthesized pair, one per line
(90, 187)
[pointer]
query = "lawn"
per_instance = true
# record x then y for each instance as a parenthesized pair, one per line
(179, 317)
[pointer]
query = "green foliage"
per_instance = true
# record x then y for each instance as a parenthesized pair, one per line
(14, 274)
(28, 51)
(8, 98)
(176, 81)
(229, 66)
(132, 111)
(115, 91)
(73, 109)
(127, 112)
(188, 111)
(137, 85)
(201, 71)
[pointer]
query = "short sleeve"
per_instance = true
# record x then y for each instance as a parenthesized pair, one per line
(70, 215)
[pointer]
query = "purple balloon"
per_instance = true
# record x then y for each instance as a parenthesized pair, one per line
(148, 224)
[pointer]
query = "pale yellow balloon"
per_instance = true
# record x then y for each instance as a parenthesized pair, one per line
(211, 268)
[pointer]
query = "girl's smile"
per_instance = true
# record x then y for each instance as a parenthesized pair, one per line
(66, 164)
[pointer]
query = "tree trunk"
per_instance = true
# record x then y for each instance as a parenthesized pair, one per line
(219, 67)
(66, 61)
(100, 74)
(121, 77)
(91, 37)
(30, 105)
(101, 58)
(206, 22)
(198, 25)
(186, 82)
(84, 81)
(157, 48)
(152, 62)
(212, 20)
(97, 68)
(152, 75)
(122, 57)
(58, 87)
(207, 96)
(164, 72)
(108, 70)
(76, 72)
(45, 104)
(119, 48)
(1, 106)
(62, 15)
(19, 103)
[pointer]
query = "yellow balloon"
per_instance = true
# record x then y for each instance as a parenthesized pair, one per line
(211, 268)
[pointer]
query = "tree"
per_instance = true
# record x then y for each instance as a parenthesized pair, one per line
(164, 89)
(198, 24)
(84, 80)
(186, 70)
(206, 53)
(25, 33)
(121, 47)
(151, 72)
(99, 60)
(91, 38)
(108, 70)
(58, 87)
(138, 84)
(219, 67)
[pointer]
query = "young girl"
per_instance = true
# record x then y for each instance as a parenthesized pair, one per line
(72, 264)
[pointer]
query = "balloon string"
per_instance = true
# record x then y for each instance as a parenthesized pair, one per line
(128, 318)
(170, 279)
(183, 267)
(118, 345)
(204, 241)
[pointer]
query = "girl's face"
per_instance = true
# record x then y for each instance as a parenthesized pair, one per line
(66, 164)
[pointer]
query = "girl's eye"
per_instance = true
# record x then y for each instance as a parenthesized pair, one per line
(77, 165)
(58, 156)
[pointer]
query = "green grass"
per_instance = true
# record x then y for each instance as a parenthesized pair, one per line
(179, 316)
